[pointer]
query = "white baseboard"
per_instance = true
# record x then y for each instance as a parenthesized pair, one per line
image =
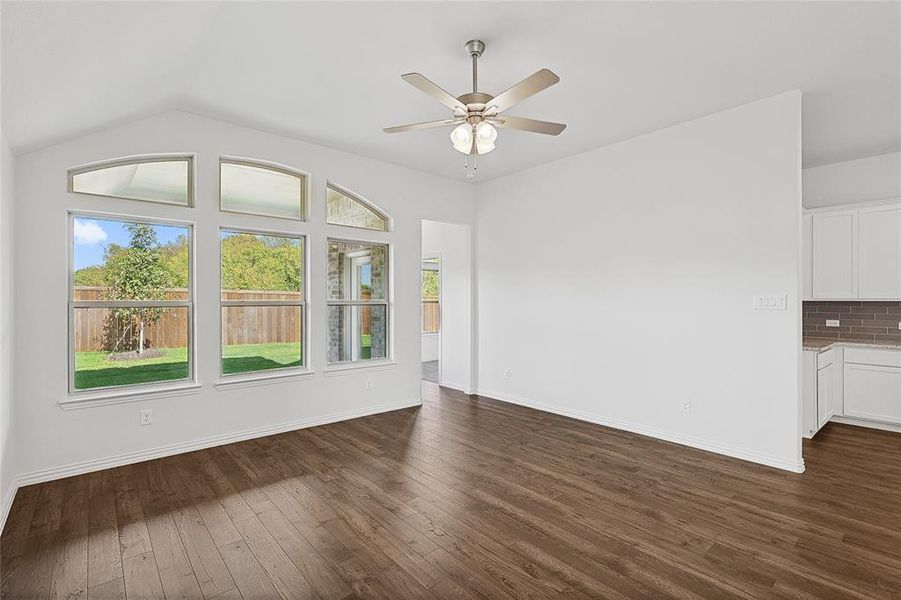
(701, 444)
(868, 424)
(208, 442)
(7, 503)
(454, 386)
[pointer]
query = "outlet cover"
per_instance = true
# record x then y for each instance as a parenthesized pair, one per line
(686, 405)
(833, 323)
(506, 373)
(767, 302)
(146, 416)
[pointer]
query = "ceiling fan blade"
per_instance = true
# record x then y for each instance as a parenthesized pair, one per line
(529, 86)
(426, 85)
(533, 125)
(426, 125)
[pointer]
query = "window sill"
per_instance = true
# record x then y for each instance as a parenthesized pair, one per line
(242, 381)
(353, 367)
(91, 400)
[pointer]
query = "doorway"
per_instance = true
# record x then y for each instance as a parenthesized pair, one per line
(447, 305)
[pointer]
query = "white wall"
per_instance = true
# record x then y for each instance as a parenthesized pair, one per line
(430, 346)
(7, 412)
(614, 283)
(863, 180)
(453, 243)
(62, 441)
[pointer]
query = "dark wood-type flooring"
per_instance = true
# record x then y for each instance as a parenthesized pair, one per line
(466, 498)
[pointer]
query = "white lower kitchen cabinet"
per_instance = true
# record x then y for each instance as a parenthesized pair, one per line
(820, 389)
(873, 385)
(851, 383)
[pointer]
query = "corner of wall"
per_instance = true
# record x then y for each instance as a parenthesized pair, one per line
(8, 472)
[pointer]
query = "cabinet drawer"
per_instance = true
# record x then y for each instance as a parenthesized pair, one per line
(872, 356)
(824, 359)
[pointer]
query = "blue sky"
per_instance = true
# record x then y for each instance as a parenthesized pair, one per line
(92, 236)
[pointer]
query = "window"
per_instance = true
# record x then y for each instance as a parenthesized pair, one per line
(131, 304)
(260, 189)
(431, 286)
(344, 209)
(357, 301)
(154, 179)
(262, 279)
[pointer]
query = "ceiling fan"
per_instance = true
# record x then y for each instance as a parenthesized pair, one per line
(477, 114)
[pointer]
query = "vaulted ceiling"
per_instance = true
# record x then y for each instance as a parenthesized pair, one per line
(329, 72)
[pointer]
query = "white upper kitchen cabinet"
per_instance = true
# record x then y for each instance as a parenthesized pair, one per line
(835, 255)
(879, 249)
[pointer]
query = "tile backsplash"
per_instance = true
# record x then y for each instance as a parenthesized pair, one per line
(859, 321)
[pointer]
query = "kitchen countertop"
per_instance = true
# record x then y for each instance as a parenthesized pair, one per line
(821, 344)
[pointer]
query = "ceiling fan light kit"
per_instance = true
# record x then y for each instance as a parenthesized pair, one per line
(476, 115)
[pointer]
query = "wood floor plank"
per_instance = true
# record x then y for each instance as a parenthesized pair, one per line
(466, 498)
(209, 568)
(249, 575)
(104, 559)
(324, 579)
(176, 573)
(70, 575)
(215, 517)
(134, 539)
(142, 577)
(232, 594)
(111, 590)
(31, 574)
(283, 574)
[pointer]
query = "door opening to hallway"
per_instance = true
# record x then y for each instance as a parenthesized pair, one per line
(446, 305)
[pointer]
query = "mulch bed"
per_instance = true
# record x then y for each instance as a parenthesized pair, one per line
(133, 355)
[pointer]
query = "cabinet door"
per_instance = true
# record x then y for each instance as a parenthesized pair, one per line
(835, 255)
(879, 243)
(807, 257)
(825, 392)
(809, 394)
(873, 392)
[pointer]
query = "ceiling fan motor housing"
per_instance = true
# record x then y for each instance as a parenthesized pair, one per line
(475, 47)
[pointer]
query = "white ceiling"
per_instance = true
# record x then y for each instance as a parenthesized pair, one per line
(329, 72)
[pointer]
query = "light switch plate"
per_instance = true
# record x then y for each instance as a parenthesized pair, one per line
(771, 302)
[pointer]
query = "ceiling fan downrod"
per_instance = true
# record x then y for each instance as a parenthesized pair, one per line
(475, 49)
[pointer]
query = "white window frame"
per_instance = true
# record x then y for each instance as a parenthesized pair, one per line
(132, 160)
(75, 394)
(280, 372)
(269, 166)
(389, 224)
(353, 261)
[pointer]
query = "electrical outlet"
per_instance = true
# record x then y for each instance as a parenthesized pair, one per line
(368, 383)
(146, 416)
(833, 323)
(506, 373)
(686, 405)
(899, 324)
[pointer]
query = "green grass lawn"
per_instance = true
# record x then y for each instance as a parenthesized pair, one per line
(241, 358)
(95, 370)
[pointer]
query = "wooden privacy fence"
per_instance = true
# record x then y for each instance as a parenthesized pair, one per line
(431, 316)
(97, 329)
